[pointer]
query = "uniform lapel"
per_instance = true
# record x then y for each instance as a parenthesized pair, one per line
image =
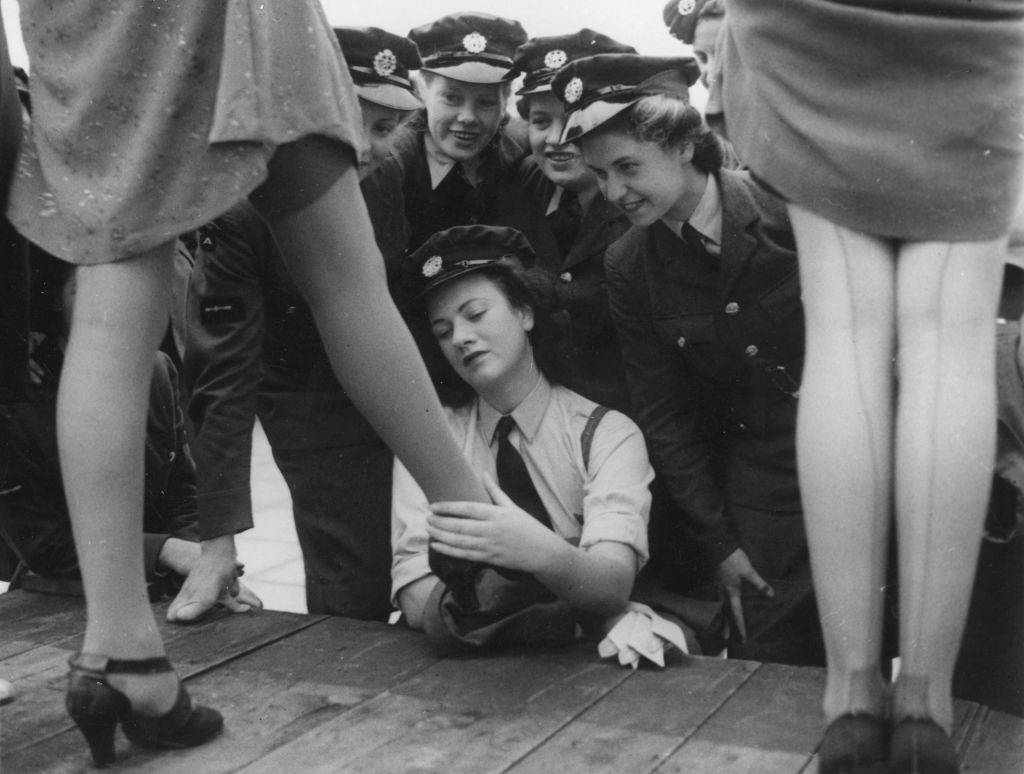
(595, 232)
(738, 220)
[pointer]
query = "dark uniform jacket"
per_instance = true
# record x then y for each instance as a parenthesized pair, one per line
(34, 519)
(595, 367)
(498, 200)
(253, 350)
(714, 353)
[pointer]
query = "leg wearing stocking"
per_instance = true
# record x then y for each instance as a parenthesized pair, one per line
(333, 257)
(118, 319)
(844, 441)
(945, 447)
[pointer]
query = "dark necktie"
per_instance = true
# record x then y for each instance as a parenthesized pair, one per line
(695, 242)
(564, 222)
(513, 477)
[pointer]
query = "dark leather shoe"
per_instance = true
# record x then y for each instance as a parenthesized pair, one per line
(920, 746)
(854, 744)
(97, 708)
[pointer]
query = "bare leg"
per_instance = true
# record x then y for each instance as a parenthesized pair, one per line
(945, 449)
(119, 317)
(334, 260)
(844, 448)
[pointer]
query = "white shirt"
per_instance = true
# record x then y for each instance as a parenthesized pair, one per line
(606, 500)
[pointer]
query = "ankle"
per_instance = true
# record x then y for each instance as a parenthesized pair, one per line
(143, 643)
(917, 697)
(858, 692)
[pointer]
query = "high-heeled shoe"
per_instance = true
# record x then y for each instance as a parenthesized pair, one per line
(921, 746)
(855, 743)
(97, 708)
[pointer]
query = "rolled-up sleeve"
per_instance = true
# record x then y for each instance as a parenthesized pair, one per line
(616, 494)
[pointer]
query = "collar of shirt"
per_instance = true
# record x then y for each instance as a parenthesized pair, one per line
(556, 199)
(527, 415)
(706, 218)
(437, 162)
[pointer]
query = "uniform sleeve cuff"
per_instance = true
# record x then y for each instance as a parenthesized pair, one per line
(224, 513)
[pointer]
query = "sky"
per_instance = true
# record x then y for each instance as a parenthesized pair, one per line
(636, 22)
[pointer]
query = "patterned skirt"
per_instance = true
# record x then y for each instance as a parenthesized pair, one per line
(151, 118)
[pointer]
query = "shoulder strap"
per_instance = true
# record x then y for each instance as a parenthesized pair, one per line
(587, 436)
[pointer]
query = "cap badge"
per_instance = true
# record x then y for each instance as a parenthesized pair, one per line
(685, 7)
(555, 59)
(384, 63)
(474, 43)
(573, 91)
(432, 266)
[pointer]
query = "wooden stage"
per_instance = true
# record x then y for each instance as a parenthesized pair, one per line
(311, 693)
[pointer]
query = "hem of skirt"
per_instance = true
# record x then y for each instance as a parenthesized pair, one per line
(884, 214)
(74, 245)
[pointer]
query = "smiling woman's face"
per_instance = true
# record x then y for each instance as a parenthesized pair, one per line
(562, 164)
(462, 118)
(643, 179)
(480, 333)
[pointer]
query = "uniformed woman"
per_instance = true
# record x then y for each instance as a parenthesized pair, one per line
(458, 163)
(568, 528)
(704, 293)
(583, 222)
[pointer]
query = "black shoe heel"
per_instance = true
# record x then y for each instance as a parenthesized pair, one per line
(91, 704)
(97, 708)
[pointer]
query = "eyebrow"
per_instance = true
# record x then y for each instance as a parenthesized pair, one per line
(462, 306)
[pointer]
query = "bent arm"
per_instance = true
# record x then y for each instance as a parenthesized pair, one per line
(223, 367)
(665, 405)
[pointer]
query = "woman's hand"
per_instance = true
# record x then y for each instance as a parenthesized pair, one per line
(733, 571)
(500, 534)
(211, 579)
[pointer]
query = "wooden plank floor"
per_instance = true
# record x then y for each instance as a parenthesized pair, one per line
(311, 693)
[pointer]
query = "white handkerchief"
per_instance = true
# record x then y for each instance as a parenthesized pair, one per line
(641, 633)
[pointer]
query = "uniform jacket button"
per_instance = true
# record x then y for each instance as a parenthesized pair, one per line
(732, 308)
(681, 342)
(751, 351)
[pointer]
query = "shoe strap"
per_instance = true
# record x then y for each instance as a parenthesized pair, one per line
(92, 662)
